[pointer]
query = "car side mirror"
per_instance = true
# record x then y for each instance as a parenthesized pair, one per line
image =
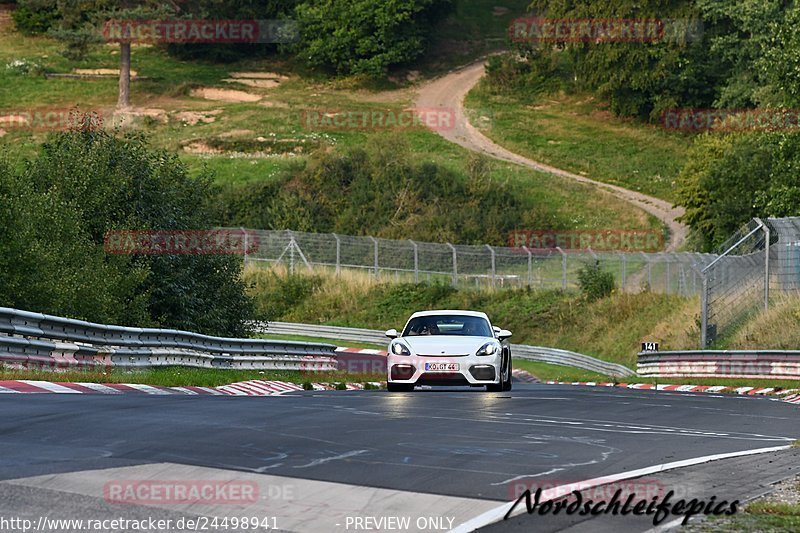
(503, 334)
(496, 329)
(392, 333)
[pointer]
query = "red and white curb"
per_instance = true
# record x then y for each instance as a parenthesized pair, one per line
(368, 351)
(788, 395)
(254, 387)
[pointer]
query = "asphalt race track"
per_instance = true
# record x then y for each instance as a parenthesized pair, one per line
(321, 460)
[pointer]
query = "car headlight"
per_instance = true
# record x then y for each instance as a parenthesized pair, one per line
(490, 348)
(398, 348)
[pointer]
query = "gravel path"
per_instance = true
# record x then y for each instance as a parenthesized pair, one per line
(448, 92)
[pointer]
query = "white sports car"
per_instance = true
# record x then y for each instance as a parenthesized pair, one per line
(449, 348)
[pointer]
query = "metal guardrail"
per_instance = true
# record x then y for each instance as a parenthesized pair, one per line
(752, 364)
(36, 339)
(542, 354)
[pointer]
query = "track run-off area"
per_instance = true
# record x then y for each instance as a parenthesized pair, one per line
(441, 459)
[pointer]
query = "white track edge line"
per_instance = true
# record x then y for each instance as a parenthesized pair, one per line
(496, 514)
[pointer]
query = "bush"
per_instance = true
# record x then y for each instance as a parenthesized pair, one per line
(380, 190)
(36, 16)
(594, 282)
(275, 294)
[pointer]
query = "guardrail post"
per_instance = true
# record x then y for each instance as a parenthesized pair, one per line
(530, 266)
(338, 253)
(455, 265)
(563, 268)
(494, 271)
(416, 261)
(375, 241)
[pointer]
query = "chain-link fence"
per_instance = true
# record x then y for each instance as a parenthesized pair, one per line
(475, 266)
(759, 264)
(735, 282)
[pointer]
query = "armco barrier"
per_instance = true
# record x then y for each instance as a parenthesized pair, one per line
(34, 339)
(753, 364)
(522, 351)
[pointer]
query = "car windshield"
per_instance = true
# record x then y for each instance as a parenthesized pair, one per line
(470, 326)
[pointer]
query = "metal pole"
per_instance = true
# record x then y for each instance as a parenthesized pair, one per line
(704, 312)
(291, 256)
(666, 271)
(338, 253)
(244, 231)
(494, 271)
(622, 268)
(563, 269)
(766, 264)
(374, 240)
(416, 261)
(530, 265)
(455, 265)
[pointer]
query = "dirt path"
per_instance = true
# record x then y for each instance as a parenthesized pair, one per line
(448, 92)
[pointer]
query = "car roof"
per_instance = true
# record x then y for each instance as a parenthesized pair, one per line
(450, 312)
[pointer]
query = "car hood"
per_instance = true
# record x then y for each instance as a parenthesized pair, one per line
(443, 345)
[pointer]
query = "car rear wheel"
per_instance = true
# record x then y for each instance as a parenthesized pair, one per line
(399, 387)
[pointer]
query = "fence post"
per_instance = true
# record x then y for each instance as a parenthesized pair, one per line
(416, 261)
(766, 264)
(666, 275)
(494, 271)
(375, 241)
(622, 271)
(563, 268)
(455, 265)
(338, 253)
(649, 279)
(704, 311)
(530, 266)
(244, 231)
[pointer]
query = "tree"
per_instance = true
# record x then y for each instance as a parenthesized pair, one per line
(81, 25)
(84, 183)
(365, 36)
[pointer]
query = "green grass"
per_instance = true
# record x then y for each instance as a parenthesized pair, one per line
(761, 516)
(182, 377)
(547, 372)
(576, 133)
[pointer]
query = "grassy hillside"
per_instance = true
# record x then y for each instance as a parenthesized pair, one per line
(192, 108)
(577, 133)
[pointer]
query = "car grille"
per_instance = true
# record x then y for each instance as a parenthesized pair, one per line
(443, 355)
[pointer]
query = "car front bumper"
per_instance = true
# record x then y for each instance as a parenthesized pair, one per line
(472, 370)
